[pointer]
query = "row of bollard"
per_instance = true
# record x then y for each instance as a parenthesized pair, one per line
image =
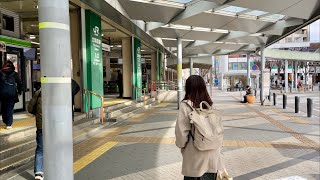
(296, 103)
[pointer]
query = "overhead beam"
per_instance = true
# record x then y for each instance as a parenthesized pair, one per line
(153, 25)
(197, 43)
(195, 9)
(282, 24)
(232, 35)
(292, 55)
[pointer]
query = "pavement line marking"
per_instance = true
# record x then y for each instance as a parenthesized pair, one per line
(278, 124)
(227, 143)
(89, 158)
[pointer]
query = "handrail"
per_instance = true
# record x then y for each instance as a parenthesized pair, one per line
(88, 92)
(144, 93)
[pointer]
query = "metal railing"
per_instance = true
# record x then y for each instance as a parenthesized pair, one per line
(163, 85)
(88, 92)
(144, 93)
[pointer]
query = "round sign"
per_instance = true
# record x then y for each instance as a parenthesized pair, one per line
(255, 67)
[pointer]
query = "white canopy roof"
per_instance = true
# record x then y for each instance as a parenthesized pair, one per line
(216, 27)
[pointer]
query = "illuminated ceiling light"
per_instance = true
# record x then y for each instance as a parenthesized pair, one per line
(32, 36)
(230, 43)
(169, 39)
(218, 42)
(161, 2)
(189, 40)
(201, 29)
(102, 35)
(220, 31)
(256, 34)
(35, 43)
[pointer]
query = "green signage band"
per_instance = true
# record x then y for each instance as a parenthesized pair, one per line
(159, 66)
(137, 72)
(93, 66)
(15, 42)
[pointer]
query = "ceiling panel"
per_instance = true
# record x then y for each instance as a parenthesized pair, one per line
(199, 35)
(230, 46)
(249, 40)
(149, 12)
(246, 25)
(303, 9)
(168, 32)
(273, 6)
(207, 20)
(173, 43)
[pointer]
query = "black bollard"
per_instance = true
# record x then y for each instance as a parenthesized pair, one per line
(284, 103)
(296, 104)
(255, 92)
(309, 107)
(274, 99)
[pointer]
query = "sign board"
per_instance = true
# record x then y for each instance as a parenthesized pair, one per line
(93, 66)
(106, 47)
(3, 47)
(266, 80)
(318, 69)
(137, 69)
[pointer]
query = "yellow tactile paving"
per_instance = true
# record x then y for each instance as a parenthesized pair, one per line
(27, 122)
(228, 143)
(142, 116)
(291, 118)
(110, 102)
(87, 159)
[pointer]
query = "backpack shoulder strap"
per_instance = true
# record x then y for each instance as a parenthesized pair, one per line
(189, 104)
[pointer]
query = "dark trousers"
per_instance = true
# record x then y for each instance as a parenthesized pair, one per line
(7, 106)
(120, 86)
(206, 176)
(245, 99)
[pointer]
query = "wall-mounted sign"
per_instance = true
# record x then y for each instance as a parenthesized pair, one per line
(255, 67)
(106, 47)
(3, 47)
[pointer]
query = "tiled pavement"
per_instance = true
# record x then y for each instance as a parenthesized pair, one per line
(260, 143)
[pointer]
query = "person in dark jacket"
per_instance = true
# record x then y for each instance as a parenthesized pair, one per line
(249, 92)
(35, 108)
(120, 84)
(75, 89)
(7, 102)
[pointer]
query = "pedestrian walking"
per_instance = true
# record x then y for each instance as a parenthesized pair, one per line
(35, 108)
(199, 133)
(120, 84)
(75, 89)
(10, 90)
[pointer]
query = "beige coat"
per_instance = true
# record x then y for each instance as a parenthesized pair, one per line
(195, 163)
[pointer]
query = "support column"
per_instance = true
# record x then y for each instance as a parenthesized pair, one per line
(191, 65)
(56, 78)
(248, 70)
(211, 81)
(263, 62)
(154, 67)
(127, 67)
(296, 75)
(179, 70)
(286, 83)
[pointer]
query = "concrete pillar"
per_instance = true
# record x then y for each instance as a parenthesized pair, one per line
(221, 85)
(154, 67)
(179, 70)
(54, 28)
(263, 63)
(248, 70)
(127, 67)
(211, 81)
(191, 65)
(296, 75)
(75, 33)
(286, 82)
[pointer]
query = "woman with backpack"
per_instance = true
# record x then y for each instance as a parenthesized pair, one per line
(10, 90)
(199, 132)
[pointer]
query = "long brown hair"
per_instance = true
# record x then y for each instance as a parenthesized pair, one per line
(196, 91)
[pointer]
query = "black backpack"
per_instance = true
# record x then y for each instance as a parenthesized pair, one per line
(8, 87)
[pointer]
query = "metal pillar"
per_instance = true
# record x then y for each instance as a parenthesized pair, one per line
(296, 75)
(286, 83)
(179, 70)
(191, 65)
(248, 70)
(263, 62)
(56, 78)
(211, 81)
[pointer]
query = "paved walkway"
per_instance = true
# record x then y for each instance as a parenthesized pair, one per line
(260, 143)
